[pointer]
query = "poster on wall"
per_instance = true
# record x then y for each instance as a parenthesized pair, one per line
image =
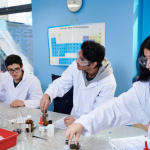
(64, 41)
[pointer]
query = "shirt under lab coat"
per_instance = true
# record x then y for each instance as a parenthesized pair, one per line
(28, 90)
(129, 108)
(85, 99)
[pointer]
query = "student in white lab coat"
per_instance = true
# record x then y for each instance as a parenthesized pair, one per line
(17, 87)
(92, 78)
(129, 108)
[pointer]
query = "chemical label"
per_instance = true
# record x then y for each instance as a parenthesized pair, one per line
(27, 126)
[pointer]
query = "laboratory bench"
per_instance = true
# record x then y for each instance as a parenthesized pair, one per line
(95, 142)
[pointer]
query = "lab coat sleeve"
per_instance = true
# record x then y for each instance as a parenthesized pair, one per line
(61, 85)
(106, 93)
(2, 88)
(124, 110)
(34, 95)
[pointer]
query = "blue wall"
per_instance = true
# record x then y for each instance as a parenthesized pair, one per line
(146, 19)
(141, 27)
(137, 32)
(118, 17)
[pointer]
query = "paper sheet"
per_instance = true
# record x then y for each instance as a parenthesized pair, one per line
(60, 124)
(130, 143)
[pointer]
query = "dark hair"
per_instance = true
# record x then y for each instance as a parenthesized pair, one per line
(144, 73)
(93, 52)
(13, 59)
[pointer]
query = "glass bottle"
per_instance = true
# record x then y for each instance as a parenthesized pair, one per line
(29, 122)
(73, 147)
(45, 118)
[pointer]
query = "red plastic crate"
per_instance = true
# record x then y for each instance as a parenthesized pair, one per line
(10, 139)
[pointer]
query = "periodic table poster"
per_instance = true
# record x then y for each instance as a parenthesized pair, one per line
(65, 41)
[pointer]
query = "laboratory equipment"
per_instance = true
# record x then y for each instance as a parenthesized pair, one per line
(50, 129)
(146, 147)
(45, 118)
(17, 126)
(41, 127)
(10, 139)
(73, 145)
(29, 122)
(66, 146)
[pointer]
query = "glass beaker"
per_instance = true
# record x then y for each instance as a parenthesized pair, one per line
(5, 121)
(1, 121)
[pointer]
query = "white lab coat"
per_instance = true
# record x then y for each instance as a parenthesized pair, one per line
(85, 99)
(129, 108)
(28, 90)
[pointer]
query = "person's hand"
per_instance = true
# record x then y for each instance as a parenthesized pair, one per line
(44, 103)
(17, 103)
(74, 129)
(147, 126)
(69, 120)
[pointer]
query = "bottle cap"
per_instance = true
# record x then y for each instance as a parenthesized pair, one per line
(50, 121)
(72, 146)
(45, 111)
(146, 147)
(41, 121)
(28, 117)
(67, 141)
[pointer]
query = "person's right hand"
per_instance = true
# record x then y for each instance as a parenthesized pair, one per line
(44, 103)
(74, 129)
(147, 126)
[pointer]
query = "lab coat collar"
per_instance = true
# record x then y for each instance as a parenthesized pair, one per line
(24, 76)
(91, 85)
(23, 79)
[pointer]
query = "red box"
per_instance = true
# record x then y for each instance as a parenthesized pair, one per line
(10, 139)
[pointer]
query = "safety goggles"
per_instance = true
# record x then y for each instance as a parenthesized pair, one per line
(144, 62)
(81, 60)
(11, 71)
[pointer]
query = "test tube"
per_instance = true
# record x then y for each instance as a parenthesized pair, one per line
(5, 117)
(9, 122)
(30, 134)
(1, 121)
(24, 136)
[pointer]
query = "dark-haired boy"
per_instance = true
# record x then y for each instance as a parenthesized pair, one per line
(18, 88)
(92, 77)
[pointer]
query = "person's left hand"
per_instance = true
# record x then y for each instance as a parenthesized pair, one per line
(17, 103)
(69, 120)
(147, 126)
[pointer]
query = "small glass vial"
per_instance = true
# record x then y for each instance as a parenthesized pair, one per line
(73, 147)
(45, 118)
(29, 121)
(66, 147)
(50, 129)
(41, 127)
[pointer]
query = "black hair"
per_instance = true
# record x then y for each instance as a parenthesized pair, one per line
(93, 52)
(143, 73)
(13, 59)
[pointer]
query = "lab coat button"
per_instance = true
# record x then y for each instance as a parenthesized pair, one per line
(66, 101)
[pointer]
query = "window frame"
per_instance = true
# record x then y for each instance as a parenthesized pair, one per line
(15, 9)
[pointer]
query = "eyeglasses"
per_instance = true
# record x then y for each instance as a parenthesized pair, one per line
(11, 71)
(144, 62)
(81, 60)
